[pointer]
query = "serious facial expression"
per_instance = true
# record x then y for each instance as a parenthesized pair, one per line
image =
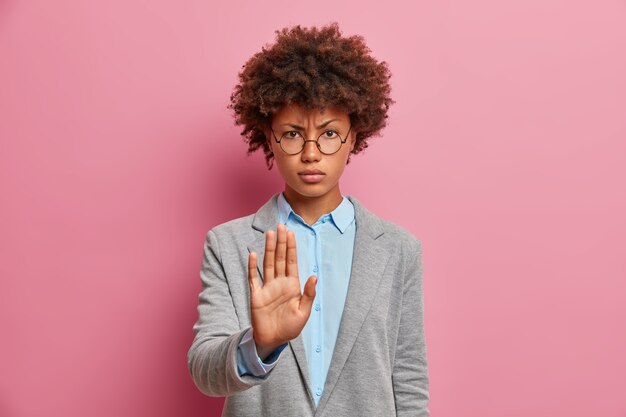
(294, 120)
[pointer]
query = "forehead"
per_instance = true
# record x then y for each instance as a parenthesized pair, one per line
(297, 114)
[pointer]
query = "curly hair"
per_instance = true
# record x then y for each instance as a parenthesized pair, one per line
(315, 68)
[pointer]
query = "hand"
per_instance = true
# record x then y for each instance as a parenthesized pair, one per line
(278, 310)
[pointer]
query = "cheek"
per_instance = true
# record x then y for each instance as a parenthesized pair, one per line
(284, 167)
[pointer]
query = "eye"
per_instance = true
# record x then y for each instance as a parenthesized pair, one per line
(330, 134)
(292, 134)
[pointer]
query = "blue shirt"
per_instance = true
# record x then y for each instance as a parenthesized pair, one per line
(325, 250)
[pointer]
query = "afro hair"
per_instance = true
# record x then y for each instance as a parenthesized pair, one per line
(314, 68)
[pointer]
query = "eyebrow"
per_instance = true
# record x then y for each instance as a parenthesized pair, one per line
(326, 123)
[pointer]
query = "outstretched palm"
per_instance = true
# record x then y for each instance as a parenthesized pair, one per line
(278, 310)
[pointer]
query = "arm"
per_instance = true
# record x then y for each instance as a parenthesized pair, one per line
(410, 372)
(212, 357)
(278, 312)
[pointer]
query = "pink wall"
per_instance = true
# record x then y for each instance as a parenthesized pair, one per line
(505, 154)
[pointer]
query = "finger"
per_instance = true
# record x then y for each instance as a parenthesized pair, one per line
(281, 251)
(308, 295)
(268, 258)
(292, 255)
(253, 275)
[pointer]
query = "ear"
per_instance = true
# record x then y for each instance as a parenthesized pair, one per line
(268, 137)
(352, 140)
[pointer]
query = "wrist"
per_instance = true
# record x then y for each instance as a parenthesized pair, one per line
(265, 348)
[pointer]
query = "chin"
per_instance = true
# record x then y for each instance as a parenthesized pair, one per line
(311, 193)
(311, 190)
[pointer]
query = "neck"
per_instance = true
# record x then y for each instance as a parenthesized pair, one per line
(312, 208)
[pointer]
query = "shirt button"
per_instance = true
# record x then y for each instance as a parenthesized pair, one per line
(314, 268)
(317, 306)
(318, 392)
(318, 349)
(312, 233)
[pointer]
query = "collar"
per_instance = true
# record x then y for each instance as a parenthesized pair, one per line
(342, 216)
(367, 223)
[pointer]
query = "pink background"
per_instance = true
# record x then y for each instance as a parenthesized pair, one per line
(505, 155)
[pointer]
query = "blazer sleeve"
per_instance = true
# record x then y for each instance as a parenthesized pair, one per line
(410, 372)
(212, 357)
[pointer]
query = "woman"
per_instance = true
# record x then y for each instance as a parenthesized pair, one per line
(329, 320)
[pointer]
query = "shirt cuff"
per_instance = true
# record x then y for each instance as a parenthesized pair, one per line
(248, 361)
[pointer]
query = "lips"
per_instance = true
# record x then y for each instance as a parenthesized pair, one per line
(311, 172)
(311, 176)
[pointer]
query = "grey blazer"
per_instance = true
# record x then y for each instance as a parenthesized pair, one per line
(379, 365)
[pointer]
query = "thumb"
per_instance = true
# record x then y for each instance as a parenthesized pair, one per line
(308, 295)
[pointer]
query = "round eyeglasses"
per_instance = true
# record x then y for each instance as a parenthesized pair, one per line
(328, 142)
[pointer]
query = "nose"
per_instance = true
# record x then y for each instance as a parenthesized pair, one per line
(310, 152)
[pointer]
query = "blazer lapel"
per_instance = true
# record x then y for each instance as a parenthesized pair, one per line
(368, 264)
(266, 218)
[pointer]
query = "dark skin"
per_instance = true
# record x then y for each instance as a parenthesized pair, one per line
(279, 311)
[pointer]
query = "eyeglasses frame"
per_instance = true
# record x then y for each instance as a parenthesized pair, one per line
(316, 142)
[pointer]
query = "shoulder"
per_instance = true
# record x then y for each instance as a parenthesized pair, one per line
(233, 236)
(405, 241)
(394, 234)
(401, 248)
(238, 224)
(231, 231)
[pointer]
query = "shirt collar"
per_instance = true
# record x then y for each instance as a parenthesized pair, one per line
(341, 217)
